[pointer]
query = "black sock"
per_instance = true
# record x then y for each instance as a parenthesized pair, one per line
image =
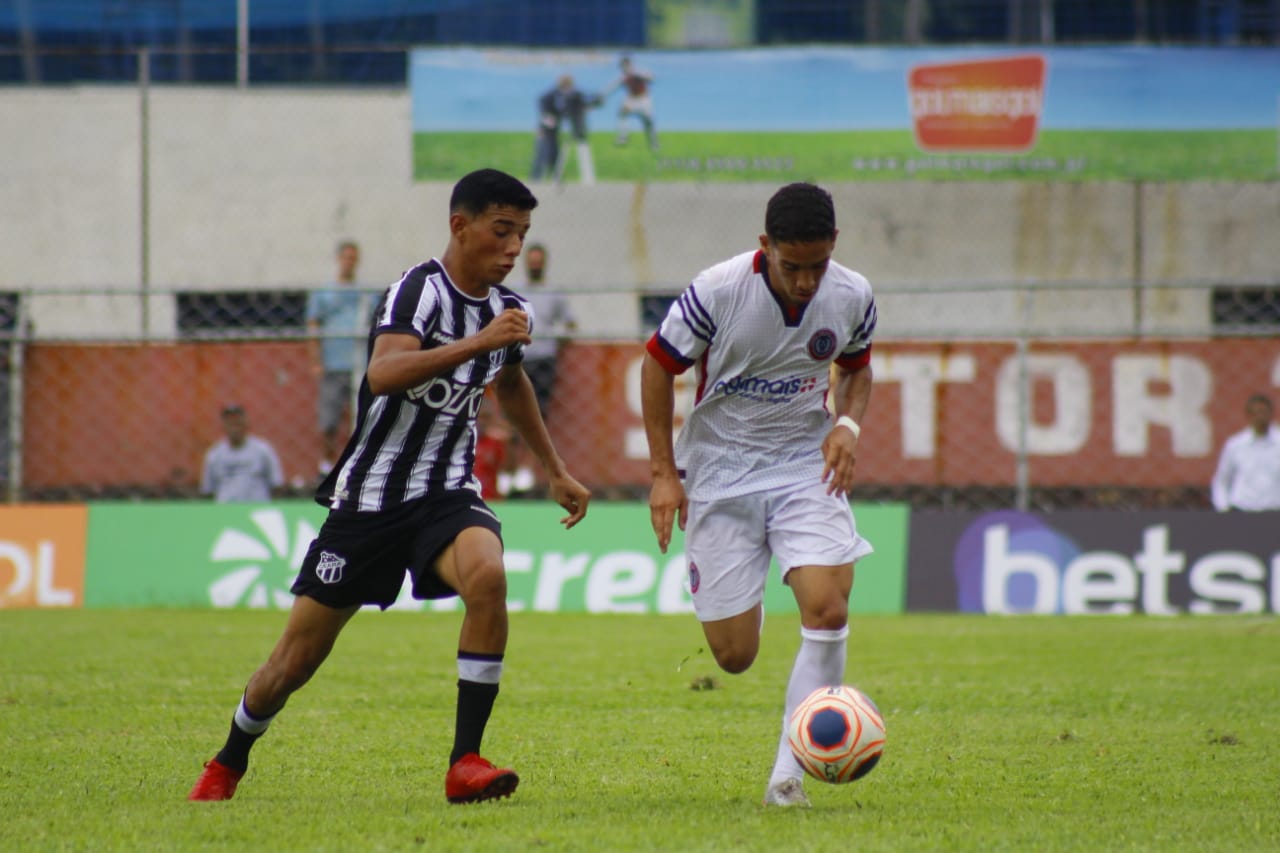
(246, 727)
(235, 752)
(475, 703)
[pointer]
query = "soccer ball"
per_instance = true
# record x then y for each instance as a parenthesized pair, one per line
(837, 734)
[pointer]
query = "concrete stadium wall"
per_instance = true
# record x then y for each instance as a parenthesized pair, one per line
(251, 189)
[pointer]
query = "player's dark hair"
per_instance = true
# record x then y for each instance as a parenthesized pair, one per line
(800, 213)
(478, 191)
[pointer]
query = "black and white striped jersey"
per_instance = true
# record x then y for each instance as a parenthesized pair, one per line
(422, 440)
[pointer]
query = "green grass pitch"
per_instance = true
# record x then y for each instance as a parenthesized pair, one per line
(1003, 733)
(888, 155)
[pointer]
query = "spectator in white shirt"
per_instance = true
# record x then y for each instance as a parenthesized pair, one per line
(1248, 475)
(240, 467)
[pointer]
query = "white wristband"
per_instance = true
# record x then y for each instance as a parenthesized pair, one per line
(850, 423)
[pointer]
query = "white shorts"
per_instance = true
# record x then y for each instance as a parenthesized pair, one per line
(729, 543)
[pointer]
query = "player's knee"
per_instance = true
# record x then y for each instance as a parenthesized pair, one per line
(484, 583)
(829, 617)
(735, 659)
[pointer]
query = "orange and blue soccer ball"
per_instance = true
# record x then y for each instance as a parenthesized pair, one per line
(837, 734)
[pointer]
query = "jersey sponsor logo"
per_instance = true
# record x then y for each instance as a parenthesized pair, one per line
(448, 397)
(442, 337)
(766, 390)
(329, 567)
(822, 345)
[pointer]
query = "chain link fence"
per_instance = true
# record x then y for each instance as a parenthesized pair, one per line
(999, 418)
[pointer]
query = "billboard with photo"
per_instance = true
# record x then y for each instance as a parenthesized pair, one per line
(851, 113)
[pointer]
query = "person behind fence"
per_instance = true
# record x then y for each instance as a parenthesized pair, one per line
(240, 466)
(334, 324)
(556, 322)
(403, 497)
(1248, 473)
(762, 468)
(492, 455)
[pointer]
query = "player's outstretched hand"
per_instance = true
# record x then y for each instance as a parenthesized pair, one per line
(838, 460)
(509, 327)
(571, 495)
(666, 500)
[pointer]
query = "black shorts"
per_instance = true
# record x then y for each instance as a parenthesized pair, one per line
(362, 557)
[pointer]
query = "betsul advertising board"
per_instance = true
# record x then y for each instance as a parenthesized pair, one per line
(1086, 562)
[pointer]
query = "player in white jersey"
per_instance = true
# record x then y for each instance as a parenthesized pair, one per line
(762, 468)
(403, 497)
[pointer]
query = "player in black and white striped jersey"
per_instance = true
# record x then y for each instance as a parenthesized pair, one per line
(403, 496)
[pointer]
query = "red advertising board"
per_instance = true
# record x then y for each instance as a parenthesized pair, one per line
(1113, 412)
(1102, 413)
(980, 105)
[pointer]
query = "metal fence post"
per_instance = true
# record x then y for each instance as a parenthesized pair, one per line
(17, 352)
(1022, 466)
(144, 187)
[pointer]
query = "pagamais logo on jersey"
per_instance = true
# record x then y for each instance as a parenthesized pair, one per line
(765, 389)
(261, 562)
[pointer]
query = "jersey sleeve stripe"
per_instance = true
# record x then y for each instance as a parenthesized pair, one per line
(867, 327)
(692, 322)
(697, 316)
(403, 310)
(667, 355)
(857, 360)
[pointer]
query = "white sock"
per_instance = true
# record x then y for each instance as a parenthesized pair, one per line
(819, 663)
(248, 723)
(483, 669)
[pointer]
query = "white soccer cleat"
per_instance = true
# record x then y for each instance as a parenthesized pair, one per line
(788, 792)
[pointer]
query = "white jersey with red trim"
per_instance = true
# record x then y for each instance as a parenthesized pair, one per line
(760, 415)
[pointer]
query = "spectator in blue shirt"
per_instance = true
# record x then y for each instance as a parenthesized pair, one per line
(335, 323)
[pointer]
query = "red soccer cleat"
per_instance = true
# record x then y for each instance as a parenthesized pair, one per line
(217, 782)
(472, 779)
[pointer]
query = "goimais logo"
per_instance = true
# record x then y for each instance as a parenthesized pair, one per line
(766, 389)
(982, 105)
(1097, 562)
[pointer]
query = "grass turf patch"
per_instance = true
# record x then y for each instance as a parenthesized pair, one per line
(881, 155)
(1067, 733)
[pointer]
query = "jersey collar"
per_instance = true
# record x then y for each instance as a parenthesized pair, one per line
(791, 314)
